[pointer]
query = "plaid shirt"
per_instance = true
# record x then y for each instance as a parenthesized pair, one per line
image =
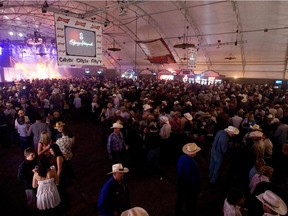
(115, 142)
(65, 145)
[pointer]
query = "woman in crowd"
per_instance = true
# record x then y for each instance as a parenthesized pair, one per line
(45, 180)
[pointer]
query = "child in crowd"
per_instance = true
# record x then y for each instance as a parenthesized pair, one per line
(25, 175)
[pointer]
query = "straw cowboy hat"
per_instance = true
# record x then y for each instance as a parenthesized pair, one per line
(274, 202)
(59, 124)
(136, 211)
(118, 168)
(117, 125)
(232, 130)
(255, 134)
(256, 127)
(188, 116)
(190, 148)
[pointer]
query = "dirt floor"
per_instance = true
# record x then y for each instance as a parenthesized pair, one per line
(91, 165)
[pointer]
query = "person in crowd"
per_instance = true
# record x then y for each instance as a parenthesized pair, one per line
(165, 145)
(237, 119)
(255, 169)
(219, 148)
(58, 131)
(58, 161)
(188, 183)
(25, 176)
(22, 128)
(3, 127)
(116, 146)
(272, 204)
(44, 144)
(35, 130)
(10, 113)
(45, 180)
(152, 141)
(258, 147)
(114, 197)
(265, 174)
(65, 144)
(135, 211)
(233, 203)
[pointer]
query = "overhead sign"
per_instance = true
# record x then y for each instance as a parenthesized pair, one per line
(79, 42)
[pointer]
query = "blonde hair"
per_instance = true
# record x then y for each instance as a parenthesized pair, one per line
(45, 138)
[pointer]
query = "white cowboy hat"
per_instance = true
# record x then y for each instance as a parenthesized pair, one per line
(189, 103)
(188, 116)
(164, 119)
(146, 107)
(191, 148)
(232, 130)
(274, 202)
(176, 102)
(255, 134)
(117, 125)
(136, 211)
(118, 168)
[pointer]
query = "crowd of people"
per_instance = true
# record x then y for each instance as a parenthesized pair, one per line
(151, 123)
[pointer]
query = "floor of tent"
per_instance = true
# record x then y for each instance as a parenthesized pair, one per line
(91, 165)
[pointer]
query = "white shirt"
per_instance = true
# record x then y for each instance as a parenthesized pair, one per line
(231, 210)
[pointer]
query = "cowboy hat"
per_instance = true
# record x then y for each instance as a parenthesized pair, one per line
(117, 125)
(136, 211)
(191, 148)
(118, 168)
(256, 127)
(176, 102)
(272, 201)
(255, 134)
(59, 124)
(164, 119)
(188, 116)
(232, 130)
(146, 107)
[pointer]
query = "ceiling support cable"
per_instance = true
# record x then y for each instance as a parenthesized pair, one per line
(201, 40)
(240, 34)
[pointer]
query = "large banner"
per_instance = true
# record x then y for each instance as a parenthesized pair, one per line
(79, 42)
(157, 51)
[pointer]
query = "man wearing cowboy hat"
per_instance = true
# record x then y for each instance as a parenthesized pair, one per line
(114, 197)
(116, 145)
(272, 204)
(188, 184)
(219, 148)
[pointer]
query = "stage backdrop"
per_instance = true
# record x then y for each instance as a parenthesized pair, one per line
(79, 42)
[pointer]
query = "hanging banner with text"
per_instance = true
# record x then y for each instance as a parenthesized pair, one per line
(79, 42)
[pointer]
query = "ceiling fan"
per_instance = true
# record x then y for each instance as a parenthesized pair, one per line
(185, 43)
(230, 58)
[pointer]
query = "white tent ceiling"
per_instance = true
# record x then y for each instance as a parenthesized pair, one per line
(253, 33)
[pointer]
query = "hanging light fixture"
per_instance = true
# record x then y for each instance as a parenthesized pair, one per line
(185, 44)
(114, 48)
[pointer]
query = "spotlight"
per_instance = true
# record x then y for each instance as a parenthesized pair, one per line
(122, 12)
(106, 23)
(44, 7)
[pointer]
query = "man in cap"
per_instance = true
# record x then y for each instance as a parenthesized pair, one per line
(116, 145)
(219, 148)
(188, 184)
(114, 197)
